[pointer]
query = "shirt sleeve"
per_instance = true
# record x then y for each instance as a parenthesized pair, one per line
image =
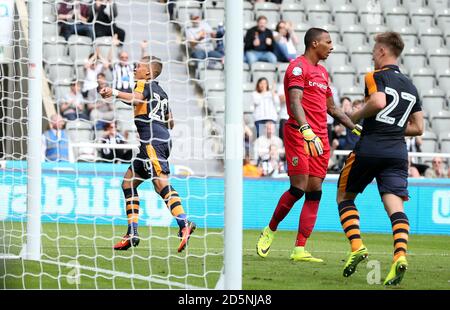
(374, 83)
(417, 106)
(140, 86)
(329, 92)
(296, 78)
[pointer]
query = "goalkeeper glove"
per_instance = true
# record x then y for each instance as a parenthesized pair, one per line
(313, 145)
(357, 130)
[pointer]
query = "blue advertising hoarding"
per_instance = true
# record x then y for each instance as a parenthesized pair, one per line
(91, 193)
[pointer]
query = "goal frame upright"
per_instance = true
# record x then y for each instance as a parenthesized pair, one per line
(234, 49)
(33, 236)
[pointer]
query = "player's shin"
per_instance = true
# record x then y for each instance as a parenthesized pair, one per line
(285, 204)
(132, 209)
(308, 217)
(400, 231)
(173, 203)
(349, 217)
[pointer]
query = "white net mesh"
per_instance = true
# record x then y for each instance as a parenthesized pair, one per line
(83, 206)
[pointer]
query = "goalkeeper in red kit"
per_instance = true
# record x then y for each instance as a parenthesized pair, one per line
(308, 100)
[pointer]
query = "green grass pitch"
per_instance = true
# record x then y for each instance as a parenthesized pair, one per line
(156, 263)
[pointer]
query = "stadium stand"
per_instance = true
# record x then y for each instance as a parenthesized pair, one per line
(424, 25)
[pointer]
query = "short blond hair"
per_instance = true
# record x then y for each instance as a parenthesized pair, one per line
(392, 40)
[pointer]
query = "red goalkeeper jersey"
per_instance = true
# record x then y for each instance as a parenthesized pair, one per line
(313, 80)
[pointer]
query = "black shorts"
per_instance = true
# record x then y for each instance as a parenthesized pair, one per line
(359, 171)
(152, 160)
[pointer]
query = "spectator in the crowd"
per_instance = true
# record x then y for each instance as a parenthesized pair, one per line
(413, 172)
(414, 144)
(72, 106)
(248, 135)
(112, 136)
(101, 111)
(261, 146)
(250, 170)
(123, 73)
(265, 102)
(200, 37)
(273, 165)
(284, 116)
(55, 141)
(93, 66)
(105, 11)
(346, 105)
(73, 18)
(259, 43)
(436, 170)
(285, 42)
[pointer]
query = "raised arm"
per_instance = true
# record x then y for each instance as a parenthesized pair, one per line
(129, 98)
(415, 124)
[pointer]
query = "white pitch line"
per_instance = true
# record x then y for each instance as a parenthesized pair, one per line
(124, 275)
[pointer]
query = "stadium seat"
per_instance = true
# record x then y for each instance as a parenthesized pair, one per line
(54, 47)
(413, 4)
(318, 15)
(441, 121)
(79, 131)
(80, 48)
(443, 18)
(431, 38)
(389, 3)
(308, 3)
(48, 9)
(50, 29)
(333, 30)
(104, 45)
(249, 24)
(353, 93)
(215, 16)
(248, 98)
(214, 4)
(293, 12)
(370, 15)
(371, 5)
(345, 15)
(361, 74)
(264, 69)
(215, 102)
(338, 57)
(281, 69)
(444, 140)
(372, 30)
(396, 17)
(300, 30)
(249, 15)
(414, 58)
(422, 18)
(185, 8)
(60, 68)
(439, 58)
(433, 99)
(269, 10)
(437, 5)
(353, 35)
(343, 76)
(361, 56)
(409, 36)
(423, 78)
(443, 77)
(61, 89)
(429, 142)
(211, 76)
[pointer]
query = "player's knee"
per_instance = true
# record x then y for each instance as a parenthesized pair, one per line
(314, 195)
(296, 192)
(129, 192)
(346, 203)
